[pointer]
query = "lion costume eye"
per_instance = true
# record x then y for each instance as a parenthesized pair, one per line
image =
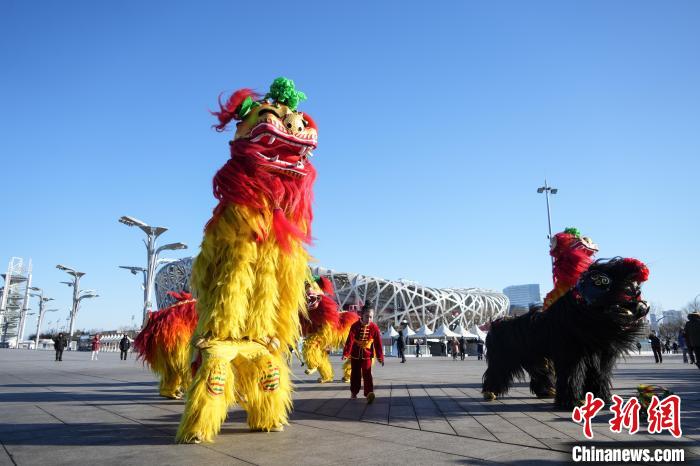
(600, 279)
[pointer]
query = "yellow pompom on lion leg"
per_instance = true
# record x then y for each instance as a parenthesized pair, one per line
(264, 383)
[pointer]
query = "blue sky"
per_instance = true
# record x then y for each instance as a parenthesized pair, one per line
(437, 122)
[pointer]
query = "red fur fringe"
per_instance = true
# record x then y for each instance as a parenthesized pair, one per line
(241, 181)
(227, 111)
(642, 272)
(167, 328)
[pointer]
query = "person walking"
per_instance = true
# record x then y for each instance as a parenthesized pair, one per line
(418, 343)
(401, 343)
(59, 344)
(479, 350)
(455, 348)
(656, 348)
(364, 343)
(124, 345)
(692, 337)
(682, 345)
(639, 348)
(95, 347)
(674, 347)
(462, 348)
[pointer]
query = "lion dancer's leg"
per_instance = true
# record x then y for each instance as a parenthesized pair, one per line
(223, 278)
(347, 370)
(263, 384)
(316, 358)
(208, 398)
(263, 380)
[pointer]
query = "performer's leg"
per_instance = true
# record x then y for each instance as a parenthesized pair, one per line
(325, 370)
(208, 399)
(263, 383)
(367, 376)
(347, 370)
(355, 376)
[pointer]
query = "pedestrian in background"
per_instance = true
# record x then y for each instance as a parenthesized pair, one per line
(455, 348)
(95, 347)
(124, 345)
(692, 337)
(401, 343)
(462, 348)
(683, 345)
(656, 348)
(639, 348)
(59, 344)
(418, 342)
(479, 350)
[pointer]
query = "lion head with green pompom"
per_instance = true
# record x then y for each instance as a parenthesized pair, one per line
(283, 137)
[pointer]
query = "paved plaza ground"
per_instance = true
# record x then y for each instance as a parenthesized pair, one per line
(428, 411)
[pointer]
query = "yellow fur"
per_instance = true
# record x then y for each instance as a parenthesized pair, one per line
(316, 347)
(247, 291)
(173, 369)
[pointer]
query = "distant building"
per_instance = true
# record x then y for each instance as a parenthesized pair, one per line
(672, 315)
(521, 296)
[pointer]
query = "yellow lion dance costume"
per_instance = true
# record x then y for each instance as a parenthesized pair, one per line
(163, 344)
(325, 329)
(249, 276)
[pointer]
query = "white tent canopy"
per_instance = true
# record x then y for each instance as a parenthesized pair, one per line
(479, 333)
(462, 332)
(444, 331)
(390, 333)
(423, 332)
(408, 331)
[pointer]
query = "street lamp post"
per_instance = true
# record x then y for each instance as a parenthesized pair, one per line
(547, 190)
(152, 234)
(78, 295)
(40, 318)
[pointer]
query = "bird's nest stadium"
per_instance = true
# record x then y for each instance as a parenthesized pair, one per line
(395, 301)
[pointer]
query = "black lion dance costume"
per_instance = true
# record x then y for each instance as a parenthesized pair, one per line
(582, 334)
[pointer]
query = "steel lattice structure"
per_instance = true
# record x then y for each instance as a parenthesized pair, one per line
(395, 301)
(399, 300)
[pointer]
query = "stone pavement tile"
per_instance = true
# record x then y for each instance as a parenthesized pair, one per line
(5, 458)
(353, 409)
(467, 426)
(123, 455)
(403, 416)
(530, 456)
(377, 412)
(504, 431)
(452, 444)
(335, 403)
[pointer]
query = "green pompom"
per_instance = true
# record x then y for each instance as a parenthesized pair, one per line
(282, 90)
(573, 231)
(247, 105)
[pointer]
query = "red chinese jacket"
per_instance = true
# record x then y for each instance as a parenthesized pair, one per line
(364, 342)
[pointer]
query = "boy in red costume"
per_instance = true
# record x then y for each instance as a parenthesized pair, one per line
(364, 343)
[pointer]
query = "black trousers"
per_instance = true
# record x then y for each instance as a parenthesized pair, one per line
(123, 355)
(657, 354)
(59, 355)
(401, 355)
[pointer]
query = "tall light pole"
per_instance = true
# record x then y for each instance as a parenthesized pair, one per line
(40, 318)
(547, 190)
(152, 234)
(78, 295)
